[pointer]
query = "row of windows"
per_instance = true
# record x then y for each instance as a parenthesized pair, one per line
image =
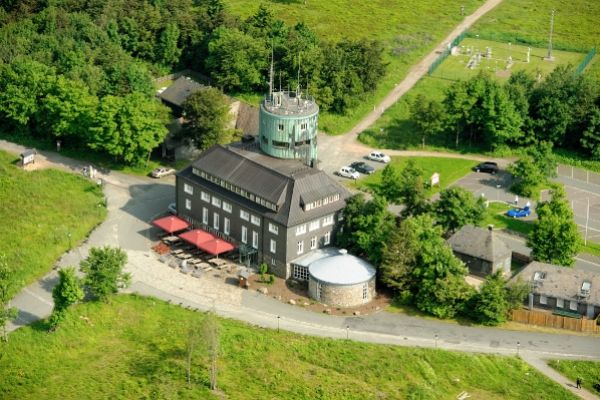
(313, 243)
(216, 221)
(322, 202)
(314, 225)
(245, 215)
(189, 189)
(235, 189)
(245, 237)
(560, 303)
(303, 126)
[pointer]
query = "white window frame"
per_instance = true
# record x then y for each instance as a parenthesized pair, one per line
(273, 228)
(314, 225)
(255, 220)
(543, 299)
(205, 196)
(205, 215)
(188, 204)
(273, 246)
(560, 303)
(227, 207)
(216, 221)
(244, 234)
(313, 242)
(245, 215)
(573, 306)
(255, 239)
(327, 238)
(189, 189)
(216, 202)
(365, 294)
(328, 220)
(300, 247)
(300, 229)
(301, 272)
(226, 225)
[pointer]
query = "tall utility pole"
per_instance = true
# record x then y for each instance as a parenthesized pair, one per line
(549, 56)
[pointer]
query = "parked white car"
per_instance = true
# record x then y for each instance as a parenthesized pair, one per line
(378, 156)
(348, 172)
(162, 171)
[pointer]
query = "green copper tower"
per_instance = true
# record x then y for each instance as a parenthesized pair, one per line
(288, 124)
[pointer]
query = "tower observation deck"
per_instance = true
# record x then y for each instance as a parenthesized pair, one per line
(288, 124)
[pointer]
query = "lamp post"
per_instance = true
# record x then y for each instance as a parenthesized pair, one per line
(436, 340)
(278, 317)
(518, 346)
(347, 331)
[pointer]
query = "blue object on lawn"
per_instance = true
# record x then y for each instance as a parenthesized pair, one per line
(519, 212)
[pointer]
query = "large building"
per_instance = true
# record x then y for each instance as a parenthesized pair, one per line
(274, 210)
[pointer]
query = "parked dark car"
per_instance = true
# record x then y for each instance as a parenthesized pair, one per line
(362, 167)
(487, 166)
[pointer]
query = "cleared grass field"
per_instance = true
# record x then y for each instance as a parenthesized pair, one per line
(408, 28)
(589, 371)
(43, 214)
(399, 131)
(450, 170)
(135, 348)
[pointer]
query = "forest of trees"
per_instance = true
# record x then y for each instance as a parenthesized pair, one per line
(82, 71)
(562, 110)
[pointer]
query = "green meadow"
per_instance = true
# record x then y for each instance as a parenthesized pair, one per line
(135, 347)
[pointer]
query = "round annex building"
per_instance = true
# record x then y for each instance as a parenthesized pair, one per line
(341, 280)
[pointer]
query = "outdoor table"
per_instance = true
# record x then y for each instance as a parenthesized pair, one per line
(184, 256)
(177, 251)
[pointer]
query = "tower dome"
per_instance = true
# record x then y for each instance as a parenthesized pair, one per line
(288, 124)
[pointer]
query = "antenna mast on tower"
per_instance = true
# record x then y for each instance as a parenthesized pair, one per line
(550, 57)
(298, 87)
(271, 76)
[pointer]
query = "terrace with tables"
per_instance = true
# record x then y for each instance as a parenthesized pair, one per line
(194, 252)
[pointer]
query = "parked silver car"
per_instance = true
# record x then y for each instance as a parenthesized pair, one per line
(348, 172)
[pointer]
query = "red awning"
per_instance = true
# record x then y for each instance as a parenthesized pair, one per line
(171, 224)
(216, 246)
(197, 237)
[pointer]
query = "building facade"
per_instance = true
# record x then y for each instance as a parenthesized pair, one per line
(273, 210)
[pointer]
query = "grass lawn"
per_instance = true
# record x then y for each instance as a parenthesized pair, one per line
(450, 170)
(408, 28)
(528, 21)
(495, 216)
(135, 348)
(395, 130)
(43, 213)
(589, 371)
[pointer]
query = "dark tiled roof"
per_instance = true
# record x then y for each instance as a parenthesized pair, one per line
(288, 186)
(479, 243)
(561, 282)
(180, 90)
(247, 119)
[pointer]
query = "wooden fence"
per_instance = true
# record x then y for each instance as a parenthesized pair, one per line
(542, 318)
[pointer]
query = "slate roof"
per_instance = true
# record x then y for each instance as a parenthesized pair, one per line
(180, 90)
(479, 243)
(561, 282)
(287, 183)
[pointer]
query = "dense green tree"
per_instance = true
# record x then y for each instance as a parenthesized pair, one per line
(458, 207)
(533, 169)
(491, 305)
(398, 258)
(67, 292)
(428, 116)
(236, 60)
(103, 270)
(23, 84)
(207, 117)
(481, 111)
(554, 237)
(519, 87)
(6, 313)
(390, 187)
(366, 227)
(412, 190)
(590, 140)
(516, 293)
(168, 52)
(437, 276)
(129, 127)
(67, 110)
